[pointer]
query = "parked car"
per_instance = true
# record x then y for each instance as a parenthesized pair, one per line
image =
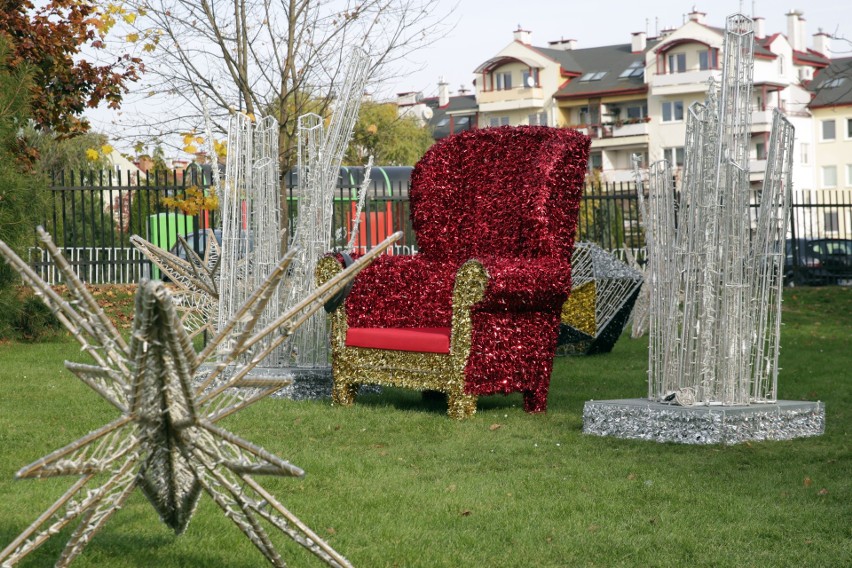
(815, 262)
(197, 241)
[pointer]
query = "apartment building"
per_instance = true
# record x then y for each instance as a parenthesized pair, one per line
(633, 98)
(831, 157)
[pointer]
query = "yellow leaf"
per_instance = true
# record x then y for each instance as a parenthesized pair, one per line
(149, 47)
(106, 149)
(190, 149)
(132, 38)
(92, 154)
(130, 18)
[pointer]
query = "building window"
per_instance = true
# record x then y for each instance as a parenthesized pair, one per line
(849, 175)
(461, 123)
(443, 122)
(529, 78)
(674, 156)
(831, 221)
(584, 116)
(494, 121)
(504, 81)
(538, 119)
(828, 132)
(781, 69)
(829, 176)
(849, 128)
(637, 111)
(635, 69)
(595, 161)
(677, 62)
(708, 59)
(593, 76)
(760, 150)
(806, 153)
(672, 111)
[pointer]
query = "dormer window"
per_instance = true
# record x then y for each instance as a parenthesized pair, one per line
(593, 76)
(636, 69)
(832, 83)
(677, 62)
(504, 81)
(708, 59)
(529, 78)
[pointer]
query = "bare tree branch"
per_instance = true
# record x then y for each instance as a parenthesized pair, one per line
(278, 57)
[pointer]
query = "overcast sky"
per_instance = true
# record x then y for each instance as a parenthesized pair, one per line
(484, 27)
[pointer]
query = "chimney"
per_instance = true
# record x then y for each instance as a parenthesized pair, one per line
(822, 43)
(696, 16)
(638, 42)
(759, 27)
(443, 92)
(563, 44)
(796, 30)
(522, 35)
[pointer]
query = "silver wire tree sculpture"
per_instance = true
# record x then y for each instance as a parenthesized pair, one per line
(250, 213)
(715, 272)
(166, 441)
(320, 153)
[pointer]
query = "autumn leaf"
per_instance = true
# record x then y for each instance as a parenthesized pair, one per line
(106, 149)
(130, 18)
(495, 427)
(808, 481)
(92, 154)
(132, 38)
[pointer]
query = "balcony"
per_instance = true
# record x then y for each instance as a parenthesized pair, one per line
(511, 99)
(761, 120)
(688, 82)
(616, 133)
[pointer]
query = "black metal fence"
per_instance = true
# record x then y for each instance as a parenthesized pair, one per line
(92, 217)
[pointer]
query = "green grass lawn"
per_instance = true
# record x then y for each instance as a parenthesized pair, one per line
(393, 482)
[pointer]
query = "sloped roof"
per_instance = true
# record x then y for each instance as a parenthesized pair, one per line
(459, 105)
(612, 59)
(839, 94)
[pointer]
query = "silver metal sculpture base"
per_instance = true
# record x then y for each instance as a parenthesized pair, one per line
(307, 383)
(642, 419)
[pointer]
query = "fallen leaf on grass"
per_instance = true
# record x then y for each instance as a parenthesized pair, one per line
(495, 427)
(593, 528)
(466, 513)
(330, 530)
(808, 481)
(823, 491)
(631, 476)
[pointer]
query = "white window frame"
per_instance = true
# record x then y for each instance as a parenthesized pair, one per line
(805, 153)
(849, 175)
(824, 182)
(822, 124)
(679, 58)
(673, 105)
(848, 129)
(671, 156)
(503, 80)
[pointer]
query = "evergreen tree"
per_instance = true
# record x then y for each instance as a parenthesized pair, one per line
(22, 191)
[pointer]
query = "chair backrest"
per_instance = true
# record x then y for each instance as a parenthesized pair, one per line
(507, 191)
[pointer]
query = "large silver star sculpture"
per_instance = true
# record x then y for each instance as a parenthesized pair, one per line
(196, 280)
(166, 441)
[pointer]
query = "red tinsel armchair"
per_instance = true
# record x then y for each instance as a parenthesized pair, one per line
(477, 310)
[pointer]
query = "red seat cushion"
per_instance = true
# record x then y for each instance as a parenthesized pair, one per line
(420, 339)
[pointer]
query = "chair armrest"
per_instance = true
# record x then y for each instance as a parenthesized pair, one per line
(523, 284)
